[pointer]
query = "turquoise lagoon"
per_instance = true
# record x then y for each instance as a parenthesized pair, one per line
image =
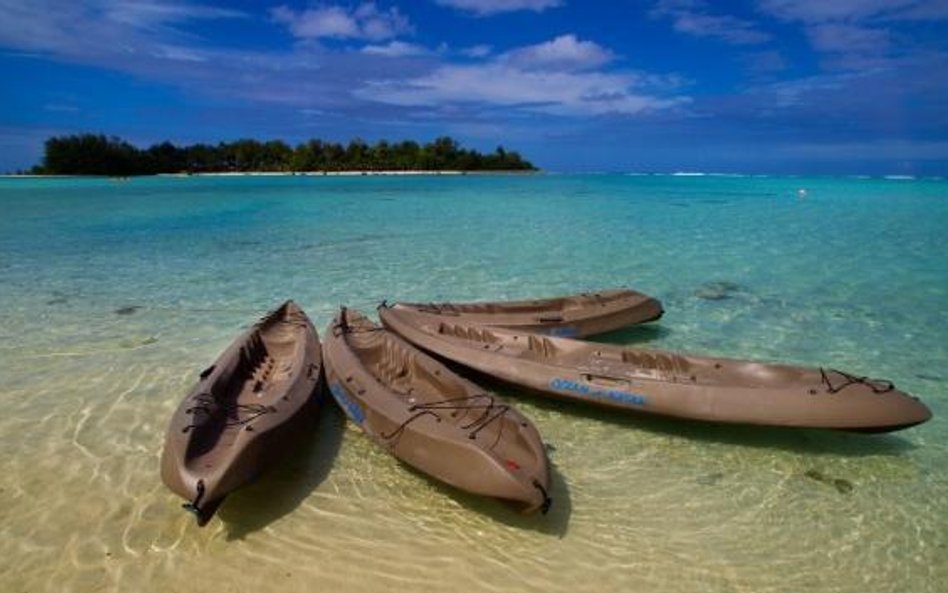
(113, 295)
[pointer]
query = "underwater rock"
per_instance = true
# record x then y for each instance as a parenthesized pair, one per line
(717, 291)
(710, 479)
(127, 310)
(133, 343)
(58, 298)
(842, 486)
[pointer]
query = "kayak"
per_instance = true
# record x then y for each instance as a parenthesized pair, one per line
(574, 316)
(666, 383)
(425, 415)
(238, 419)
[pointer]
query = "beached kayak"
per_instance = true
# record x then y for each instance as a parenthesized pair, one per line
(666, 383)
(432, 419)
(573, 316)
(236, 422)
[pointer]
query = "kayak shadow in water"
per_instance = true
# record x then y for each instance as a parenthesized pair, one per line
(281, 490)
(638, 335)
(554, 522)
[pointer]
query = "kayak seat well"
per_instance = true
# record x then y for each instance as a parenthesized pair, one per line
(658, 361)
(393, 365)
(472, 333)
(218, 410)
(541, 346)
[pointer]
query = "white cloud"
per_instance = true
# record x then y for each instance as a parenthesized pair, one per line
(150, 13)
(503, 85)
(693, 17)
(798, 92)
(557, 77)
(331, 21)
(477, 51)
(396, 49)
(932, 10)
(489, 7)
(565, 52)
(97, 27)
(182, 54)
(378, 24)
(726, 28)
(856, 34)
(843, 38)
(366, 21)
(815, 11)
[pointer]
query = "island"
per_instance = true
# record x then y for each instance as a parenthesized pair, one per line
(97, 154)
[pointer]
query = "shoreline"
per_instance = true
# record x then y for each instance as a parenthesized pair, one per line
(459, 173)
(359, 173)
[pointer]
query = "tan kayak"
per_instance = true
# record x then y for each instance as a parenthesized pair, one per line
(235, 422)
(432, 419)
(573, 316)
(666, 383)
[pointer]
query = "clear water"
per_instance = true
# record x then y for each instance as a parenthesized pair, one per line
(113, 295)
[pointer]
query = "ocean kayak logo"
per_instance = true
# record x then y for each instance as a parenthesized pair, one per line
(351, 408)
(622, 397)
(563, 332)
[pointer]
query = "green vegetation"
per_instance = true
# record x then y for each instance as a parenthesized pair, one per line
(92, 154)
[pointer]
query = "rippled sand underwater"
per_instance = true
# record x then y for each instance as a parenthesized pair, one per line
(116, 295)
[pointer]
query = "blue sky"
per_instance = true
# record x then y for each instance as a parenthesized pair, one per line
(775, 86)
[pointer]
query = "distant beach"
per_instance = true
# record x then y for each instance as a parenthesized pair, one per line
(361, 173)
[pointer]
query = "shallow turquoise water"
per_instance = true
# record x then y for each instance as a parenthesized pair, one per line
(115, 294)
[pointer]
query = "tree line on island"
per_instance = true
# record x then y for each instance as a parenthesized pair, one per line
(96, 154)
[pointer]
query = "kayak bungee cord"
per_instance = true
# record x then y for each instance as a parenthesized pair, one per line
(207, 403)
(876, 385)
(490, 412)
